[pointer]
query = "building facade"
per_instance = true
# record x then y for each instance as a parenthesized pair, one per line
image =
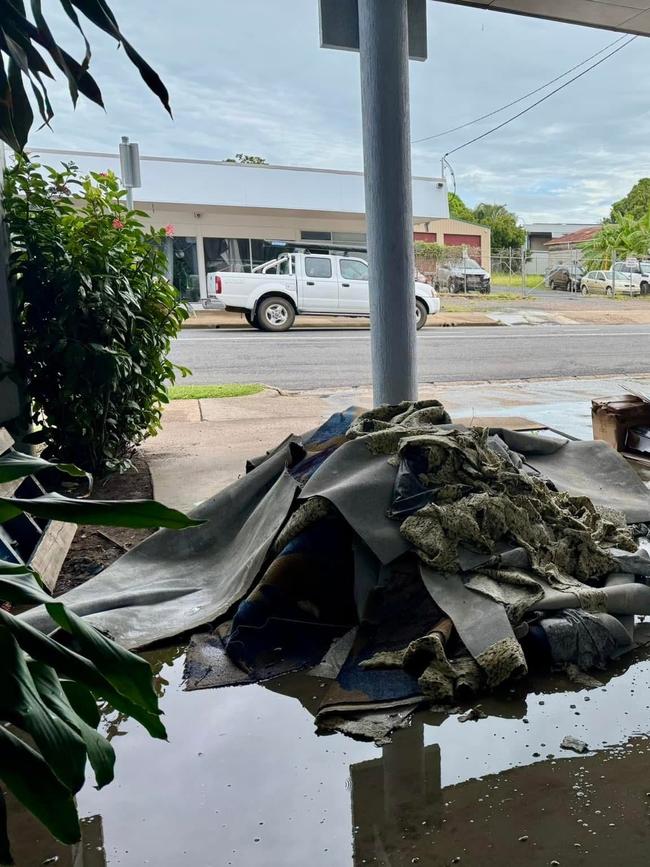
(458, 233)
(228, 216)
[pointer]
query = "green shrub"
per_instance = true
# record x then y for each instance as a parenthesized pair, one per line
(95, 313)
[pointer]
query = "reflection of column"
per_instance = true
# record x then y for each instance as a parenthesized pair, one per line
(90, 852)
(396, 800)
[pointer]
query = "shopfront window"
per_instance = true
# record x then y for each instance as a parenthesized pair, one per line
(263, 251)
(227, 254)
(185, 268)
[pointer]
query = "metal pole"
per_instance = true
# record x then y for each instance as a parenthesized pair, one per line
(613, 273)
(523, 271)
(383, 43)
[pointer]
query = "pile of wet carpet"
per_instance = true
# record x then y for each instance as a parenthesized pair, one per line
(400, 559)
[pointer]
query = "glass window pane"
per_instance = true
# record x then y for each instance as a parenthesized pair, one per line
(316, 236)
(353, 269)
(185, 268)
(358, 238)
(227, 254)
(263, 251)
(318, 267)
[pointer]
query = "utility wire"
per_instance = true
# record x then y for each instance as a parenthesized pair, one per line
(521, 98)
(539, 101)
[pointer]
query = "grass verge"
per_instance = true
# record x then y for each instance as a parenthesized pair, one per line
(532, 280)
(198, 392)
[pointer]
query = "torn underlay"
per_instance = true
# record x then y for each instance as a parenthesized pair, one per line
(425, 563)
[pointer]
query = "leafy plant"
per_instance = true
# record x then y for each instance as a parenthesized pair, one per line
(95, 313)
(50, 684)
(247, 160)
(24, 43)
(502, 224)
(636, 202)
(628, 235)
(458, 210)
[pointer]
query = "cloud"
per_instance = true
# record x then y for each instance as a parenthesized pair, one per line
(250, 77)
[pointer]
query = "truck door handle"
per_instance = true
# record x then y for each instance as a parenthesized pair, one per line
(347, 285)
(310, 282)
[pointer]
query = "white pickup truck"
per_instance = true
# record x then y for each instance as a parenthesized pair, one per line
(274, 293)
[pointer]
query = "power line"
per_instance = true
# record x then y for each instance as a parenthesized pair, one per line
(521, 98)
(540, 101)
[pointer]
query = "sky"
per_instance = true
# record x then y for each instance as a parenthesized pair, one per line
(249, 76)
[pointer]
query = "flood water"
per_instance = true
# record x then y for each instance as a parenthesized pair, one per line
(245, 781)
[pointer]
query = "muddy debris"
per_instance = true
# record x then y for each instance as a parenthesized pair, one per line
(575, 745)
(472, 715)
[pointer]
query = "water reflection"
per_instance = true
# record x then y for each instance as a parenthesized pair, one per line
(244, 781)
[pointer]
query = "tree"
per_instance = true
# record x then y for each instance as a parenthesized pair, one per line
(502, 224)
(247, 160)
(94, 311)
(22, 44)
(458, 210)
(636, 203)
(625, 236)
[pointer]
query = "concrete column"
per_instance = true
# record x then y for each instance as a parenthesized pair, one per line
(200, 263)
(383, 43)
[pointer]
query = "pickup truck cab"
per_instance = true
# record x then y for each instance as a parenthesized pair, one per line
(313, 283)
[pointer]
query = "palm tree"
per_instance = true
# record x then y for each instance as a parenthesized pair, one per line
(23, 44)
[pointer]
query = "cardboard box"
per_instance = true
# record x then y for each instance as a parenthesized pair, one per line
(612, 417)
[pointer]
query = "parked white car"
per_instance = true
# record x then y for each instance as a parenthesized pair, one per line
(604, 283)
(466, 275)
(639, 274)
(275, 293)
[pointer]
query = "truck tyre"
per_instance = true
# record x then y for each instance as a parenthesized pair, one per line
(275, 314)
(645, 287)
(421, 314)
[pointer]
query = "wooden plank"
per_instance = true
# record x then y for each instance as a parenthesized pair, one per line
(509, 422)
(6, 440)
(51, 551)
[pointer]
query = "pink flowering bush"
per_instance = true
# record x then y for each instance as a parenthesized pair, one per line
(96, 313)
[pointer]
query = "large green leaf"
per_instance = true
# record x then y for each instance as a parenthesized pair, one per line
(100, 753)
(74, 666)
(140, 514)
(22, 588)
(20, 703)
(82, 700)
(25, 773)
(15, 465)
(100, 14)
(128, 673)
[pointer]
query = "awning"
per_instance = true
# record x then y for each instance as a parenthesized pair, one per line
(627, 16)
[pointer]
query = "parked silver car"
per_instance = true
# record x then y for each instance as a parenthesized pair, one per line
(605, 283)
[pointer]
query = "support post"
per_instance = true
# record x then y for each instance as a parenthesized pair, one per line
(383, 44)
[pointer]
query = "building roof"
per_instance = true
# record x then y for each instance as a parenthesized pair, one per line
(172, 181)
(556, 229)
(627, 16)
(574, 238)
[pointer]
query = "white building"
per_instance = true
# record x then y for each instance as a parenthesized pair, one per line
(232, 216)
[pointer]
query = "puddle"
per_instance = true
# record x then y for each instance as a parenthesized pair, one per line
(244, 781)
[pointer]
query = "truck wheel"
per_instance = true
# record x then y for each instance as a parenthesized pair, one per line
(275, 314)
(644, 288)
(421, 314)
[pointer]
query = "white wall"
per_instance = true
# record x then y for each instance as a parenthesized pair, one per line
(203, 182)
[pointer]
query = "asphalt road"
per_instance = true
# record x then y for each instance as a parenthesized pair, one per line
(302, 359)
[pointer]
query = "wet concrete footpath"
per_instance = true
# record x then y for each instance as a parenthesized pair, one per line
(243, 779)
